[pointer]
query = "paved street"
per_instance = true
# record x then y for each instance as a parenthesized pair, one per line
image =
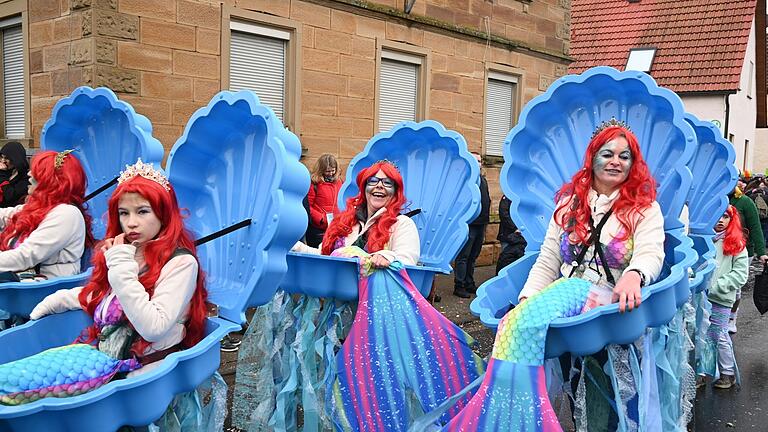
(744, 408)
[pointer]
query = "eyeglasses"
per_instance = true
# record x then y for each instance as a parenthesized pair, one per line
(388, 183)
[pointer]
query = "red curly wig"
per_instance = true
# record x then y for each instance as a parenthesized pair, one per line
(636, 193)
(157, 252)
(55, 186)
(379, 233)
(734, 241)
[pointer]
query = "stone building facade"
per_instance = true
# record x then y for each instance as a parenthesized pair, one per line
(169, 57)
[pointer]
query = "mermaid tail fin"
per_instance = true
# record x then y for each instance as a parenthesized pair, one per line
(513, 395)
(399, 347)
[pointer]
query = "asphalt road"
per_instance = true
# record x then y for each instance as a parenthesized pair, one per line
(743, 408)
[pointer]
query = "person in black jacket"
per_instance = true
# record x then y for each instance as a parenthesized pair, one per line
(14, 174)
(464, 271)
(512, 242)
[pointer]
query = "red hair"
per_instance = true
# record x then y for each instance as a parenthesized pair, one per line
(636, 193)
(734, 241)
(55, 186)
(157, 252)
(379, 233)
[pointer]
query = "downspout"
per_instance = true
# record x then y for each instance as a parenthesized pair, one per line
(727, 114)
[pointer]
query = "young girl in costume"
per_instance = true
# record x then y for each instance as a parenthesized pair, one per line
(611, 199)
(322, 197)
(49, 233)
(732, 273)
(147, 295)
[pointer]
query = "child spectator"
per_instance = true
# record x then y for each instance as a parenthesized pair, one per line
(732, 272)
(322, 197)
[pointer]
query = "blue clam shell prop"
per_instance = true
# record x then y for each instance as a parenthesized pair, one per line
(440, 178)
(544, 150)
(714, 176)
(226, 152)
(236, 161)
(106, 134)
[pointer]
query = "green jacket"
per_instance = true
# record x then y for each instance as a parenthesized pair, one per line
(731, 274)
(750, 221)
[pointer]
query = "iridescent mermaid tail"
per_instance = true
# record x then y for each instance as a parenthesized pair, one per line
(513, 395)
(58, 372)
(399, 349)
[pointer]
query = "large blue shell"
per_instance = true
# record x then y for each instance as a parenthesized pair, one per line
(236, 161)
(714, 176)
(547, 147)
(137, 401)
(441, 178)
(107, 134)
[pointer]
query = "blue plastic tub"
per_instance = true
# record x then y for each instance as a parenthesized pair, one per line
(340, 276)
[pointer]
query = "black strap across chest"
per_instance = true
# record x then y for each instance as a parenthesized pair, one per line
(594, 240)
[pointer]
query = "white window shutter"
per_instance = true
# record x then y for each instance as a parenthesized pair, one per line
(498, 115)
(13, 82)
(257, 63)
(398, 92)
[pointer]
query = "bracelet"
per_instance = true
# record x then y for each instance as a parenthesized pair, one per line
(642, 277)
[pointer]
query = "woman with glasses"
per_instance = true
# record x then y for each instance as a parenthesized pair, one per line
(372, 220)
(399, 349)
(14, 174)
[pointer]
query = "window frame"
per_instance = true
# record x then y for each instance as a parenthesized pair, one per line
(497, 71)
(652, 50)
(401, 52)
(9, 10)
(292, 100)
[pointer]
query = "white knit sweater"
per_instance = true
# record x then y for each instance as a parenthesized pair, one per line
(56, 244)
(647, 255)
(160, 319)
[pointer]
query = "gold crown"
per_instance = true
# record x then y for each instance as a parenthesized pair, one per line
(610, 123)
(144, 170)
(58, 161)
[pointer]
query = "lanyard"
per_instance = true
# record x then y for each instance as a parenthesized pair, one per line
(594, 239)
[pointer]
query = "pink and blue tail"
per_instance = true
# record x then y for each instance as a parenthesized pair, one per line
(399, 350)
(513, 395)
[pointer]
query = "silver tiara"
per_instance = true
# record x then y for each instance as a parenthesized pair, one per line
(144, 170)
(610, 123)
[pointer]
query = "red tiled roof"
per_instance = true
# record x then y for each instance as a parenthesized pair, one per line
(700, 44)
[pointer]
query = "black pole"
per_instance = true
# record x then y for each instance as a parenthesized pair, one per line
(104, 187)
(224, 231)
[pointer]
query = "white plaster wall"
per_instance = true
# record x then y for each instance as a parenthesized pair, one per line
(706, 107)
(742, 116)
(760, 157)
